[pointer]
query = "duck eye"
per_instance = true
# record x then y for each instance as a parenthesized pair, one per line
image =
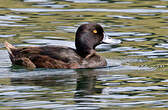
(95, 31)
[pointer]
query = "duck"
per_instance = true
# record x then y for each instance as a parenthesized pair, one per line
(88, 37)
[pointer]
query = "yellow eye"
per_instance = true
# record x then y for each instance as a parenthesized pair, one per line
(95, 31)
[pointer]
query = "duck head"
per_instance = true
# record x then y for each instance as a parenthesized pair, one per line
(88, 36)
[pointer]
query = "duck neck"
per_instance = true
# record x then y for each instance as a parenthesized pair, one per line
(83, 52)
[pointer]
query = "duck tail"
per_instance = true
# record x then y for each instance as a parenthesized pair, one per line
(9, 47)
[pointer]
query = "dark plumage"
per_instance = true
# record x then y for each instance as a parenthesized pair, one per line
(88, 36)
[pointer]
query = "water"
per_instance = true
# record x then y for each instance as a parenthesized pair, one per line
(136, 75)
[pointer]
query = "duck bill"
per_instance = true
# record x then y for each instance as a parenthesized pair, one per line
(109, 40)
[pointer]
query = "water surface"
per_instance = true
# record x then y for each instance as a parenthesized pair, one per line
(136, 75)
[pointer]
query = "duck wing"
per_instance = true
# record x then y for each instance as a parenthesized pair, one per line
(44, 57)
(65, 54)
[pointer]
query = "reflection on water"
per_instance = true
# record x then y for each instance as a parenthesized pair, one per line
(136, 75)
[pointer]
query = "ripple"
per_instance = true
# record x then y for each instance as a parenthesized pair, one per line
(20, 88)
(70, 29)
(159, 6)
(15, 25)
(123, 104)
(86, 1)
(128, 34)
(112, 77)
(118, 96)
(36, 0)
(122, 17)
(123, 2)
(149, 53)
(108, 48)
(5, 62)
(120, 26)
(135, 39)
(147, 14)
(162, 46)
(123, 49)
(43, 31)
(32, 104)
(7, 22)
(120, 67)
(51, 5)
(30, 75)
(56, 38)
(5, 36)
(26, 45)
(110, 90)
(12, 17)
